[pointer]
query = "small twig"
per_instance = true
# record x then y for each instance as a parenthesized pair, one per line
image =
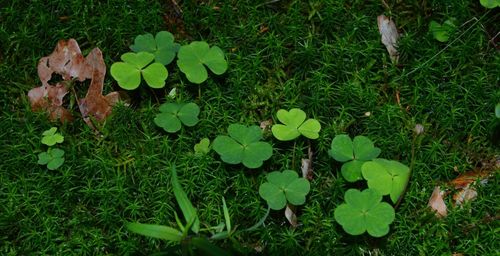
(177, 8)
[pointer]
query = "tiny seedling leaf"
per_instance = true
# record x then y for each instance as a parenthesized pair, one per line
(243, 145)
(156, 231)
(185, 204)
(282, 187)
(162, 46)
(386, 176)
(128, 73)
(51, 137)
(295, 124)
(193, 58)
(364, 211)
(172, 115)
(203, 147)
(442, 32)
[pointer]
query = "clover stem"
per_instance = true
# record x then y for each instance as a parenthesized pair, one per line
(293, 153)
(412, 165)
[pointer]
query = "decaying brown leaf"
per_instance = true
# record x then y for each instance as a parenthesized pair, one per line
(436, 202)
(290, 216)
(390, 36)
(67, 60)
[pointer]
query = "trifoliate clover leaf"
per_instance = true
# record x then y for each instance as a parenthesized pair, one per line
(128, 73)
(162, 46)
(173, 115)
(53, 158)
(386, 176)
(193, 58)
(356, 151)
(364, 211)
(243, 145)
(442, 32)
(203, 147)
(490, 4)
(282, 187)
(51, 137)
(295, 124)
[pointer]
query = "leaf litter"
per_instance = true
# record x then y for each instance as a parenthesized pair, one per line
(464, 186)
(67, 60)
(390, 36)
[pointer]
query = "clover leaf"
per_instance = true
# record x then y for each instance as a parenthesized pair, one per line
(356, 152)
(243, 145)
(442, 32)
(490, 3)
(295, 124)
(282, 187)
(162, 46)
(128, 73)
(51, 137)
(364, 211)
(53, 158)
(173, 115)
(193, 58)
(386, 176)
(203, 147)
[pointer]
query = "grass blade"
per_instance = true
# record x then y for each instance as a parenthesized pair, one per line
(210, 249)
(260, 223)
(226, 215)
(186, 206)
(156, 231)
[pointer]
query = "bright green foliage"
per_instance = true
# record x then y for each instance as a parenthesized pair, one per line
(386, 176)
(364, 211)
(162, 46)
(51, 137)
(355, 153)
(442, 32)
(282, 187)
(295, 124)
(173, 115)
(185, 204)
(128, 73)
(203, 147)
(243, 145)
(497, 110)
(53, 158)
(193, 58)
(156, 231)
(490, 3)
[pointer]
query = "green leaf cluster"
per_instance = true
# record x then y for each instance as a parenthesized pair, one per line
(173, 115)
(490, 4)
(283, 187)
(53, 158)
(442, 32)
(243, 145)
(364, 212)
(128, 73)
(295, 124)
(193, 58)
(51, 137)
(354, 153)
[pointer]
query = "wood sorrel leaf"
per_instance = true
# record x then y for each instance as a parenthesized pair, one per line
(282, 187)
(295, 124)
(193, 58)
(162, 46)
(172, 115)
(364, 211)
(386, 176)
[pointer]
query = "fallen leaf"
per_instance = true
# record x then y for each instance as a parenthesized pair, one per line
(465, 185)
(67, 60)
(436, 202)
(290, 216)
(390, 36)
(266, 124)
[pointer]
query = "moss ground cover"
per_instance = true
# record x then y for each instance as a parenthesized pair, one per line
(324, 57)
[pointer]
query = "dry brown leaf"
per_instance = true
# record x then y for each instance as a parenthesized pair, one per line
(436, 202)
(290, 216)
(465, 185)
(266, 124)
(390, 36)
(68, 61)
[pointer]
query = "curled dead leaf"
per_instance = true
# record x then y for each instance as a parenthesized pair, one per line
(290, 216)
(390, 36)
(306, 167)
(437, 204)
